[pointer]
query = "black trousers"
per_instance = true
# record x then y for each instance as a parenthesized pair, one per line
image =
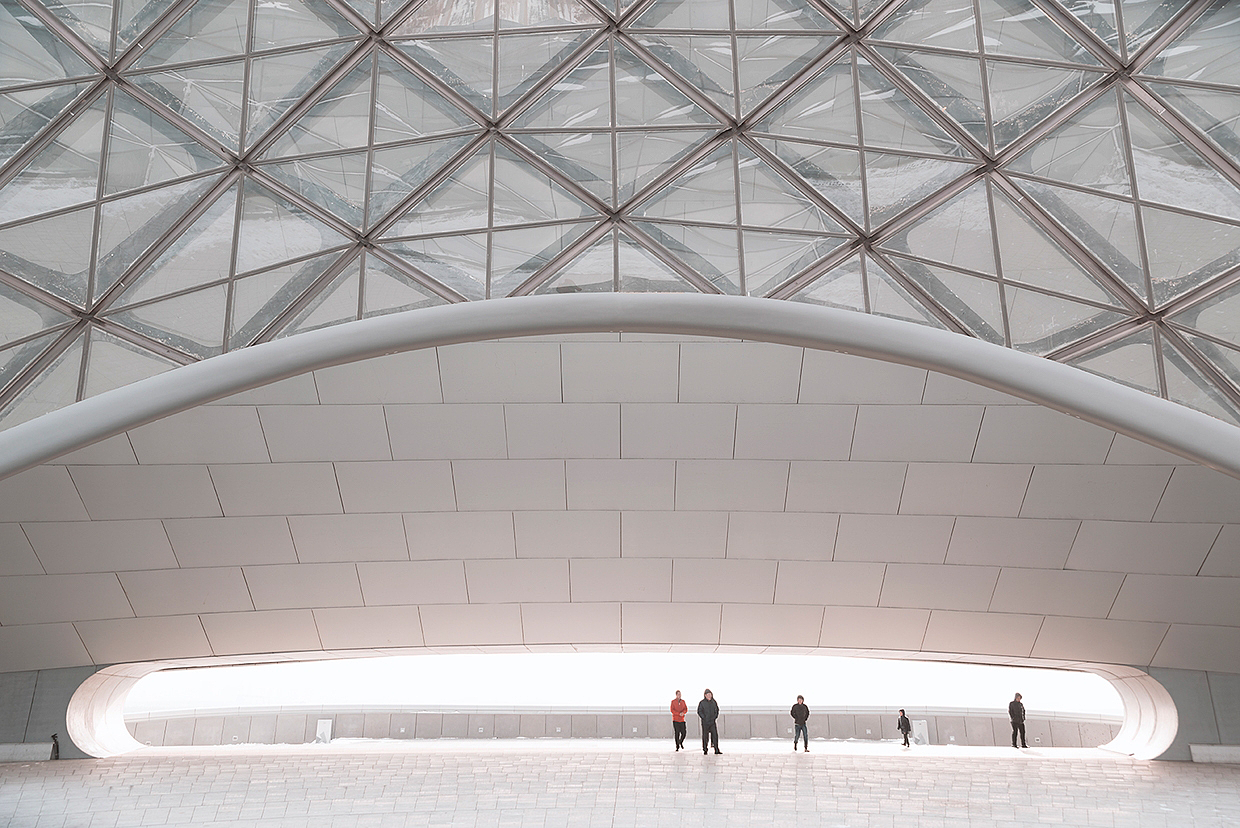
(678, 728)
(711, 732)
(1018, 727)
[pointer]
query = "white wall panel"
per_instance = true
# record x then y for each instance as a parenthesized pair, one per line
(1179, 599)
(409, 377)
(143, 639)
(100, 546)
(562, 430)
(739, 372)
(1040, 543)
(1196, 493)
(1056, 592)
(674, 430)
(981, 633)
(287, 586)
(277, 489)
(881, 628)
(1224, 557)
(305, 433)
(262, 632)
(350, 628)
(187, 591)
(792, 626)
(981, 489)
(110, 451)
(620, 484)
(447, 432)
(209, 434)
(829, 377)
(126, 492)
(1192, 647)
(939, 587)
(567, 534)
(42, 599)
(829, 582)
(400, 486)
(944, 390)
(471, 624)
(1095, 492)
(1157, 548)
(298, 390)
(907, 538)
(687, 623)
(936, 433)
(413, 582)
(1130, 452)
(458, 535)
(621, 372)
(16, 555)
(866, 488)
(638, 579)
(794, 432)
(41, 647)
(738, 582)
(41, 493)
(1033, 434)
(489, 485)
(500, 372)
(1099, 640)
(514, 581)
(782, 535)
(571, 623)
(224, 541)
(738, 485)
(326, 538)
(673, 534)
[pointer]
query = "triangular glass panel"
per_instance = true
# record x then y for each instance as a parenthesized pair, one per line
(129, 226)
(368, 9)
(947, 24)
(643, 156)
(524, 60)
(890, 119)
(17, 358)
(1040, 324)
(704, 60)
(698, 15)
(25, 112)
(710, 252)
(259, 300)
(782, 15)
(1024, 95)
(638, 270)
(64, 173)
(887, 297)
(209, 96)
(896, 182)
(971, 300)
(90, 20)
(145, 149)
(386, 290)
(584, 157)
(279, 81)
(337, 183)
(465, 64)
(953, 83)
(1186, 251)
(52, 253)
(1107, 227)
(1130, 361)
(645, 98)
(134, 17)
(1225, 360)
(767, 62)
(773, 258)
(705, 192)
(1208, 50)
(1214, 112)
(846, 9)
(339, 119)
(835, 174)
(956, 233)
(275, 230)
(210, 29)
(32, 54)
(769, 200)
(55, 387)
(824, 110)
(1187, 385)
(202, 254)
(22, 316)
(523, 194)
(192, 323)
(407, 107)
(1099, 17)
(335, 304)
(1217, 316)
(1087, 151)
(1145, 18)
(1171, 172)
(459, 263)
(517, 255)
(396, 172)
(1020, 29)
(296, 23)
(112, 362)
(843, 286)
(521, 15)
(593, 270)
(581, 99)
(461, 202)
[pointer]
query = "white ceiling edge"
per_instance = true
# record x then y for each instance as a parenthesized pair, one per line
(1158, 422)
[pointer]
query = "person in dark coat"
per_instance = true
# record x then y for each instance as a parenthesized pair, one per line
(1016, 712)
(708, 712)
(904, 726)
(799, 714)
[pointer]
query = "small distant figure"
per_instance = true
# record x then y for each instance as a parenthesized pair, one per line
(904, 726)
(55, 746)
(1016, 712)
(800, 713)
(679, 708)
(708, 712)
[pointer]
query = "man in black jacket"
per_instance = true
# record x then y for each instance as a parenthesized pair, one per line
(708, 712)
(1016, 712)
(799, 714)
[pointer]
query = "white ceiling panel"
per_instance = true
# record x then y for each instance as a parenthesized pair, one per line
(673, 534)
(41, 493)
(551, 430)
(460, 535)
(865, 488)
(738, 485)
(944, 390)
(698, 430)
(326, 538)
(287, 586)
(262, 632)
(276, 489)
(1056, 592)
(143, 639)
(1179, 599)
(1011, 542)
(449, 625)
(413, 582)
(400, 486)
(1196, 493)
(1191, 647)
(736, 582)
(1033, 434)
(620, 372)
(907, 538)
(349, 628)
(187, 591)
(567, 534)
(305, 433)
(987, 634)
(571, 623)
(500, 372)
(785, 535)
(1224, 557)
(298, 390)
(927, 586)
(231, 541)
(516, 581)
(1095, 492)
(794, 432)
(447, 432)
(207, 434)
(981, 489)
(829, 377)
(756, 372)
(936, 433)
(41, 647)
(112, 451)
(840, 583)
(114, 545)
(620, 484)
(1157, 548)
(879, 628)
(649, 623)
(129, 492)
(1099, 640)
(42, 599)
(755, 624)
(619, 579)
(16, 555)
(411, 377)
(1129, 452)
(511, 485)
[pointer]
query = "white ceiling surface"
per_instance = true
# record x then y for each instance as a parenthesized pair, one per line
(602, 491)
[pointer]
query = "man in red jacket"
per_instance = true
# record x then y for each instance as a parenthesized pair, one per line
(679, 708)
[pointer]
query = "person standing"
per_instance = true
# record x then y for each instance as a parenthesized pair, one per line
(1016, 712)
(800, 713)
(679, 708)
(904, 726)
(708, 712)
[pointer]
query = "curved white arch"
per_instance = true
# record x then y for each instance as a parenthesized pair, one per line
(1158, 422)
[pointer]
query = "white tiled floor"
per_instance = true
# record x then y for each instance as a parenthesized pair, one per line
(615, 784)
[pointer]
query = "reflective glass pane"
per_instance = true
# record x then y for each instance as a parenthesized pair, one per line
(113, 362)
(887, 297)
(334, 305)
(895, 183)
(835, 174)
(521, 14)
(1209, 50)
(32, 54)
(1040, 323)
(711, 252)
(22, 316)
(1130, 361)
(1088, 150)
(449, 16)
(972, 301)
(769, 200)
(891, 119)
(640, 271)
(337, 183)
(296, 22)
(145, 149)
(457, 262)
(1187, 385)
(17, 358)
(1215, 113)
(956, 233)
(524, 60)
(706, 192)
(953, 83)
(764, 64)
(643, 156)
(582, 99)
(53, 253)
(63, 174)
(460, 203)
(1021, 29)
(55, 387)
(24, 113)
(1225, 360)
(843, 286)
(1022, 96)
(1186, 251)
(209, 96)
(705, 61)
(584, 157)
(523, 194)
(210, 29)
(275, 230)
(134, 17)
(1100, 17)
(1218, 316)
(339, 120)
(90, 20)
(279, 81)
(406, 107)
(386, 290)
(1145, 18)
(398, 171)
(591, 271)
(780, 15)
(465, 64)
(193, 323)
(945, 23)
(517, 255)
(824, 110)
(645, 98)
(773, 258)
(685, 14)
(259, 300)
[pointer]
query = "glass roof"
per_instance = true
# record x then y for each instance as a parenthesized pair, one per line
(181, 178)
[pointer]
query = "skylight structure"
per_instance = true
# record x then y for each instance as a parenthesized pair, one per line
(182, 178)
